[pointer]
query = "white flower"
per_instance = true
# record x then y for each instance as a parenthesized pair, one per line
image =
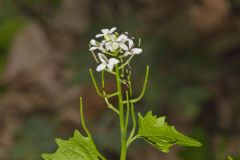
(116, 42)
(106, 63)
(106, 32)
(113, 44)
(96, 45)
(121, 40)
(131, 50)
(130, 43)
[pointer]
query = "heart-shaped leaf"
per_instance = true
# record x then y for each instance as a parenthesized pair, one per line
(78, 147)
(158, 133)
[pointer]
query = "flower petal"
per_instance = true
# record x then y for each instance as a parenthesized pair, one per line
(130, 43)
(93, 48)
(123, 46)
(103, 42)
(136, 50)
(122, 38)
(101, 67)
(110, 67)
(93, 42)
(112, 30)
(126, 54)
(99, 35)
(101, 49)
(108, 46)
(105, 31)
(102, 58)
(115, 46)
(113, 61)
(112, 37)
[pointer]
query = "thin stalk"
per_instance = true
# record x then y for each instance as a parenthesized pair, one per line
(95, 84)
(101, 156)
(110, 71)
(143, 89)
(109, 105)
(103, 81)
(111, 95)
(132, 110)
(127, 114)
(94, 56)
(97, 89)
(110, 54)
(130, 138)
(85, 127)
(121, 116)
(127, 62)
(82, 119)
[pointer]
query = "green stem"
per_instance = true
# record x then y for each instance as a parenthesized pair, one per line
(97, 89)
(82, 119)
(143, 89)
(110, 54)
(110, 71)
(127, 62)
(127, 114)
(131, 137)
(101, 156)
(121, 115)
(109, 105)
(134, 124)
(94, 56)
(85, 127)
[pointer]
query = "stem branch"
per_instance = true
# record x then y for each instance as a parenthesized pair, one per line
(143, 89)
(121, 114)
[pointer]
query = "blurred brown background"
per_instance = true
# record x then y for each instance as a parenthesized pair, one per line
(192, 47)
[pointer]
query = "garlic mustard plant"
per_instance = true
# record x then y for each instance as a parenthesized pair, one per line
(113, 53)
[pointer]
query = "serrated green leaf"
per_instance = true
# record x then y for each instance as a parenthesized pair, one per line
(158, 133)
(230, 158)
(78, 147)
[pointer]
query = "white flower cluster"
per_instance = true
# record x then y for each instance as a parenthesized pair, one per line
(120, 48)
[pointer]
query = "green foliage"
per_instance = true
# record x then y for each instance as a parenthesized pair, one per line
(230, 158)
(162, 136)
(78, 147)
